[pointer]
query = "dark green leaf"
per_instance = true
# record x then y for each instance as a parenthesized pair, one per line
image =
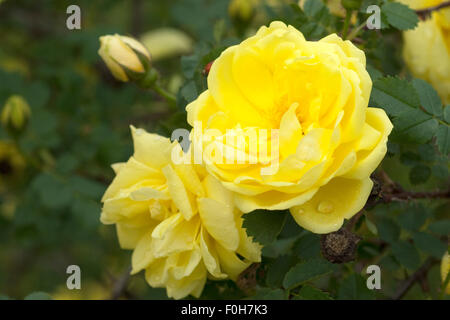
(306, 271)
(307, 246)
(310, 293)
(406, 254)
(38, 295)
(277, 270)
(189, 91)
(429, 99)
(388, 230)
(419, 174)
(264, 226)
(278, 247)
(412, 218)
(440, 227)
(429, 244)
(394, 95)
(53, 192)
(443, 139)
(447, 114)
(399, 15)
(415, 126)
(269, 294)
(354, 288)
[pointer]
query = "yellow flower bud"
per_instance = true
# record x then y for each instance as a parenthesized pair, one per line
(166, 43)
(15, 114)
(125, 57)
(241, 9)
(445, 268)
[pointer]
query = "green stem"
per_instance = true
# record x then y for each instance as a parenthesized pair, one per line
(348, 15)
(165, 94)
(356, 30)
(151, 81)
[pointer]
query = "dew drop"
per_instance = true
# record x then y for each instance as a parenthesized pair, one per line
(325, 207)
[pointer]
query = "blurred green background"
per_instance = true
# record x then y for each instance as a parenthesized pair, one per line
(59, 167)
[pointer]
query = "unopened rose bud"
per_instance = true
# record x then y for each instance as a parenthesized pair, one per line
(15, 114)
(125, 57)
(241, 10)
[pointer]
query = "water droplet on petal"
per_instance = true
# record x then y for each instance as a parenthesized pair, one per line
(325, 207)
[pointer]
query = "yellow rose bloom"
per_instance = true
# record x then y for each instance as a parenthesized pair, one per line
(426, 49)
(306, 102)
(179, 221)
(445, 268)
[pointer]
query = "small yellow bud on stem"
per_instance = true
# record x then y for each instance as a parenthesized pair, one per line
(128, 59)
(15, 115)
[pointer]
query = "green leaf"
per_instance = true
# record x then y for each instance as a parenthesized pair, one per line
(412, 218)
(415, 126)
(388, 230)
(354, 288)
(429, 244)
(406, 254)
(264, 226)
(441, 227)
(269, 294)
(189, 91)
(307, 246)
(54, 193)
(277, 270)
(443, 139)
(278, 247)
(310, 293)
(87, 212)
(394, 95)
(429, 99)
(419, 174)
(189, 65)
(399, 15)
(306, 271)
(313, 7)
(38, 295)
(447, 114)
(89, 188)
(277, 294)
(371, 226)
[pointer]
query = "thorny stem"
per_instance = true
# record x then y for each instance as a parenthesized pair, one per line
(391, 191)
(416, 276)
(120, 286)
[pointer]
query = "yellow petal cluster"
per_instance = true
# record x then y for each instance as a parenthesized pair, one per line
(179, 221)
(427, 48)
(316, 94)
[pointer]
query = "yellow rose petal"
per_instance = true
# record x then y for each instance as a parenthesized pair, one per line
(339, 199)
